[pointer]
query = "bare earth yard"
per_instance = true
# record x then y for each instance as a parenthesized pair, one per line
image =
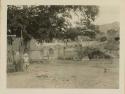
(71, 74)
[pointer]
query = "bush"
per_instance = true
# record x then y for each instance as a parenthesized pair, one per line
(92, 53)
(98, 55)
(102, 39)
(112, 45)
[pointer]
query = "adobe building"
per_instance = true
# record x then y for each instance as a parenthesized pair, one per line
(45, 51)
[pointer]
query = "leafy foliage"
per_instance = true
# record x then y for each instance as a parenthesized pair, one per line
(47, 22)
(92, 53)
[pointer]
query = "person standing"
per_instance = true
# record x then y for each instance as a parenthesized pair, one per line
(26, 61)
(17, 61)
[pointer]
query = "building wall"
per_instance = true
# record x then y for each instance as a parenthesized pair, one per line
(50, 51)
(41, 51)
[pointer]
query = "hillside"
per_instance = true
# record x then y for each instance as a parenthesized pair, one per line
(105, 27)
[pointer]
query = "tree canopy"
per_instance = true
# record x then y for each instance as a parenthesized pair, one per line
(46, 22)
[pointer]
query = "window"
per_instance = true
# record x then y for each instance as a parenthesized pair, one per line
(51, 52)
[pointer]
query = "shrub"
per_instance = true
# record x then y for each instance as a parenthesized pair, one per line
(112, 45)
(102, 39)
(92, 53)
(97, 54)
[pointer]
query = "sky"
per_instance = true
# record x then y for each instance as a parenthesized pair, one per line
(107, 14)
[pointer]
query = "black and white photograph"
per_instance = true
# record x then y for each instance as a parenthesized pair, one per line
(63, 46)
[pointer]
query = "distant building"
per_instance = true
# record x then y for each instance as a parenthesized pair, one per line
(50, 51)
(41, 51)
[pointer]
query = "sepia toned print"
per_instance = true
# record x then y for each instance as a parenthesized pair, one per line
(63, 46)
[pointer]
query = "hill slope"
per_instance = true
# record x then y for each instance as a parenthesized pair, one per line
(105, 27)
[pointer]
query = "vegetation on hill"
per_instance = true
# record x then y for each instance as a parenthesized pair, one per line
(108, 26)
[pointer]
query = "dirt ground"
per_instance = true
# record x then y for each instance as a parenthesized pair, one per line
(68, 74)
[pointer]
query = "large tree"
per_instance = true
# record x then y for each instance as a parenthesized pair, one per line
(47, 22)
